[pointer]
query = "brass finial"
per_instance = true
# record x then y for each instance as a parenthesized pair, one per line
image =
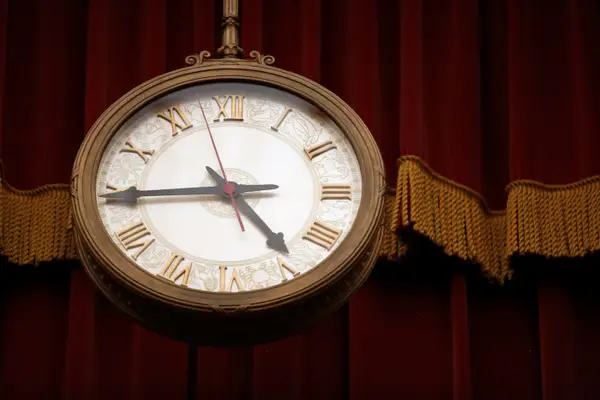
(230, 50)
(231, 25)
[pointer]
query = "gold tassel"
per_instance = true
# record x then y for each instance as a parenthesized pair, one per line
(548, 220)
(35, 224)
(451, 216)
(553, 220)
(392, 247)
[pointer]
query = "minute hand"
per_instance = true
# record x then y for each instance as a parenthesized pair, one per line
(132, 194)
(274, 240)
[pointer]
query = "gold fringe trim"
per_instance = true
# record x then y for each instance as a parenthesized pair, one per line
(392, 247)
(548, 220)
(35, 225)
(552, 221)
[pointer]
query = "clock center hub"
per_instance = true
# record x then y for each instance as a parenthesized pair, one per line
(221, 206)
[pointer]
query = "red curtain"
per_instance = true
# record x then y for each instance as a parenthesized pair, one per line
(485, 92)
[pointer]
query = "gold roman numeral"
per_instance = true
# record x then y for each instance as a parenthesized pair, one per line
(114, 189)
(236, 107)
(129, 148)
(235, 279)
(281, 119)
(336, 191)
(322, 235)
(172, 271)
(177, 118)
(111, 188)
(319, 149)
(284, 267)
(131, 238)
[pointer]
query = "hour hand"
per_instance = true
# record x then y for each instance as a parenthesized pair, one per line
(274, 240)
(218, 178)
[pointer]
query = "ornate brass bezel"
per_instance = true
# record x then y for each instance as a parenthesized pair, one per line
(101, 252)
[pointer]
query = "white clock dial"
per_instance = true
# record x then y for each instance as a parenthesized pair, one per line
(263, 136)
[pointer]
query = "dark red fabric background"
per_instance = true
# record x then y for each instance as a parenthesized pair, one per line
(486, 92)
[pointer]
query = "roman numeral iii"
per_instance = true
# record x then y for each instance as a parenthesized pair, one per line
(322, 234)
(333, 191)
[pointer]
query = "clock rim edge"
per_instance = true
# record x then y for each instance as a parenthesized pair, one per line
(257, 329)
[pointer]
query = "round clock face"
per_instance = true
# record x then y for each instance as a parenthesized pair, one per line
(291, 192)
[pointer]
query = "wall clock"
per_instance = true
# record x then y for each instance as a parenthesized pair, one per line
(228, 202)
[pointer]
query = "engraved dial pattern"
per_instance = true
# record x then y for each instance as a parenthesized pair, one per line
(265, 136)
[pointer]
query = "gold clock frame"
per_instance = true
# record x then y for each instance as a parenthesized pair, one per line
(217, 318)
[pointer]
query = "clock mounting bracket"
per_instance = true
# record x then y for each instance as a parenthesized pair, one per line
(230, 50)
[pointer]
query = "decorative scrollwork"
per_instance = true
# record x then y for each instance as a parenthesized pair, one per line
(197, 59)
(229, 53)
(262, 58)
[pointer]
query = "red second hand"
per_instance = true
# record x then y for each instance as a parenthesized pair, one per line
(228, 187)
